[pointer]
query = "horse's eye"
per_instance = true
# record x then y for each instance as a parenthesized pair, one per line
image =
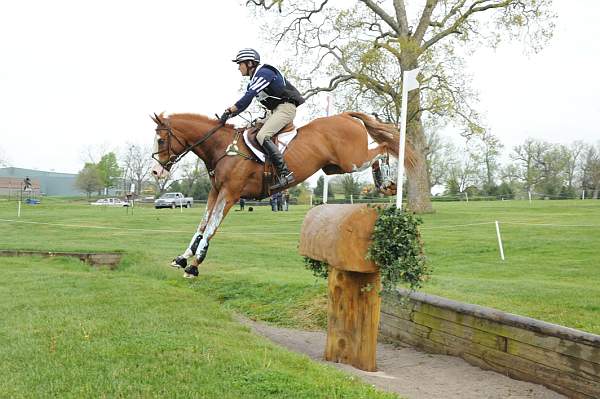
(161, 141)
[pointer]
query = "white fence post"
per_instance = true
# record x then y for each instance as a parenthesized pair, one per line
(499, 240)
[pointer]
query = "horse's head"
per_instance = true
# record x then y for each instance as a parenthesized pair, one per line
(167, 146)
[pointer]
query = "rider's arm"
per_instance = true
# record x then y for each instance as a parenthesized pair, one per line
(259, 82)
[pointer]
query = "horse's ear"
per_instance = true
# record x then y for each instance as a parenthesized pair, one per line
(156, 119)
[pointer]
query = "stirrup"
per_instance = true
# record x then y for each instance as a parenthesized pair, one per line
(283, 181)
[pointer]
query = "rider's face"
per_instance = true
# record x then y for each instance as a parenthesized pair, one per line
(243, 67)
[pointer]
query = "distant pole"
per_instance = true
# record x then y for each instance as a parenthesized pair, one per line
(467, 196)
(19, 209)
(529, 197)
(409, 82)
(311, 200)
(583, 195)
(499, 240)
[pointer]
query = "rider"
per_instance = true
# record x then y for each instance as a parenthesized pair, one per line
(275, 93)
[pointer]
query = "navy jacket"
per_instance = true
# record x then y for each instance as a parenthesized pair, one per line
(271, 88)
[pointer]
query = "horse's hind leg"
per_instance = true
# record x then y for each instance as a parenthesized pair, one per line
(181, 260)
(383, 175)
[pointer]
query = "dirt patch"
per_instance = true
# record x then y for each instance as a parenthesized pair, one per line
(410, 373)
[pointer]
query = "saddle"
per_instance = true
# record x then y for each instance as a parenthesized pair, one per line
(251, 133)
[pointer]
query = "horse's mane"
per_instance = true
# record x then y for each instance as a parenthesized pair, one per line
(190, 117)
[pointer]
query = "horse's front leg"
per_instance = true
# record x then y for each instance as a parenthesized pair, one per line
(181, 260)
(222, 205)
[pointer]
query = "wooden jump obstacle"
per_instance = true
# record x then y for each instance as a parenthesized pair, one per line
(341, 235)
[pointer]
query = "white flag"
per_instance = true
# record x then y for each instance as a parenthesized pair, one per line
(410, 79)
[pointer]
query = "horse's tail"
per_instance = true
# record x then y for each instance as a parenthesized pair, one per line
(386, 133)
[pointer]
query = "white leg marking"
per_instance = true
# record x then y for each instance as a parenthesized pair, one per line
(213, 224)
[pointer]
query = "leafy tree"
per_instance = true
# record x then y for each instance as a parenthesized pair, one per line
(360, 50)
(301, 192)
(88, 179)
(440, 156)
(485, 151)
(194, 181)
(319, 189)
(351, 186)
(591, 170)
(109, 170)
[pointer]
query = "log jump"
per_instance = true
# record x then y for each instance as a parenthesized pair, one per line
(340, 235)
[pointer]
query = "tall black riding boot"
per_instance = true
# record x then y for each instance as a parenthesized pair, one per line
(285, 176)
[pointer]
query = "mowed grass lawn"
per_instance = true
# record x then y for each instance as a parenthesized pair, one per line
(143, 330)
(71, 331)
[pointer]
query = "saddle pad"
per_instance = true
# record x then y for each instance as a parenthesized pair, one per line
(283, 140)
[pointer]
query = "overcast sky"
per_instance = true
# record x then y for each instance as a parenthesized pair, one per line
(81, 75)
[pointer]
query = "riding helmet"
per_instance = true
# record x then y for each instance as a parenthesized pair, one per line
(247, 54)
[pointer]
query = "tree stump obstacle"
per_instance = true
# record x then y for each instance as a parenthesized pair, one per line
(340, 235)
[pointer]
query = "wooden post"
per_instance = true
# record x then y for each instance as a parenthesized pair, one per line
(341, 235)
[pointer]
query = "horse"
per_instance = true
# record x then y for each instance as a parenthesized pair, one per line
(336, 144)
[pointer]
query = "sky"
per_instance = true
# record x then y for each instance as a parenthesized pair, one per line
(78, 78)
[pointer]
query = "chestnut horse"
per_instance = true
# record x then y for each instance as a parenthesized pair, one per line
(336, 144)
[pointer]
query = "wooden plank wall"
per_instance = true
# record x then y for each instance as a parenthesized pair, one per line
(563, 359)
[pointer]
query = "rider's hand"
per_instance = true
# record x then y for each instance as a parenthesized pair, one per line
(226, 115)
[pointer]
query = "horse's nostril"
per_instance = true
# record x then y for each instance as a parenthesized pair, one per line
(154, 172)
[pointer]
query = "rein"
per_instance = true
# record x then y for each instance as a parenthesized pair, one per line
(231, 150)
(173, 159)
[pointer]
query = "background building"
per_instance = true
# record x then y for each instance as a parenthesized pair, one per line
(48, 183)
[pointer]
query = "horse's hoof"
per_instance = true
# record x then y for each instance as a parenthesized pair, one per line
(191, 272)
(179, 262)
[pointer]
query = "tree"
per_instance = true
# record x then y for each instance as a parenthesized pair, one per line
(109, 170)
(161, 184)
(362, 50)
(301, 192)
(319, 189)
(88, 179)
(543, 166)
(573, 155)
(136, 166)
(591, 170)
(195, 181)
(440, 156)
(351, 186)
(462, 174)
(485, 152)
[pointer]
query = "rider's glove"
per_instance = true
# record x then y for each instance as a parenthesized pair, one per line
(226, 115)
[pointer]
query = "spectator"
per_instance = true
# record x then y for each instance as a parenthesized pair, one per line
(279, 201)
(242, 204)
(273, 202)
(286, 200)
(27, 184)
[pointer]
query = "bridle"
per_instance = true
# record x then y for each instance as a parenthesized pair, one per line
(173, 158)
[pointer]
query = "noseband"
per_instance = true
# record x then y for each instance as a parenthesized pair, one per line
(174, 158)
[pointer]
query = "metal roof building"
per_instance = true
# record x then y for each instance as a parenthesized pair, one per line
(50, 183)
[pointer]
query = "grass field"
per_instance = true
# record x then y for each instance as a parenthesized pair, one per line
(122, 332)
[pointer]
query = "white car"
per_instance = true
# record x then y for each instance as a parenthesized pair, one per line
(110, 202)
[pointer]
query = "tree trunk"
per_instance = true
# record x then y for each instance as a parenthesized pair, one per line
(418, 190)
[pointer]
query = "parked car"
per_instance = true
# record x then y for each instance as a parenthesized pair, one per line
(110, 202)
(173, 200)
